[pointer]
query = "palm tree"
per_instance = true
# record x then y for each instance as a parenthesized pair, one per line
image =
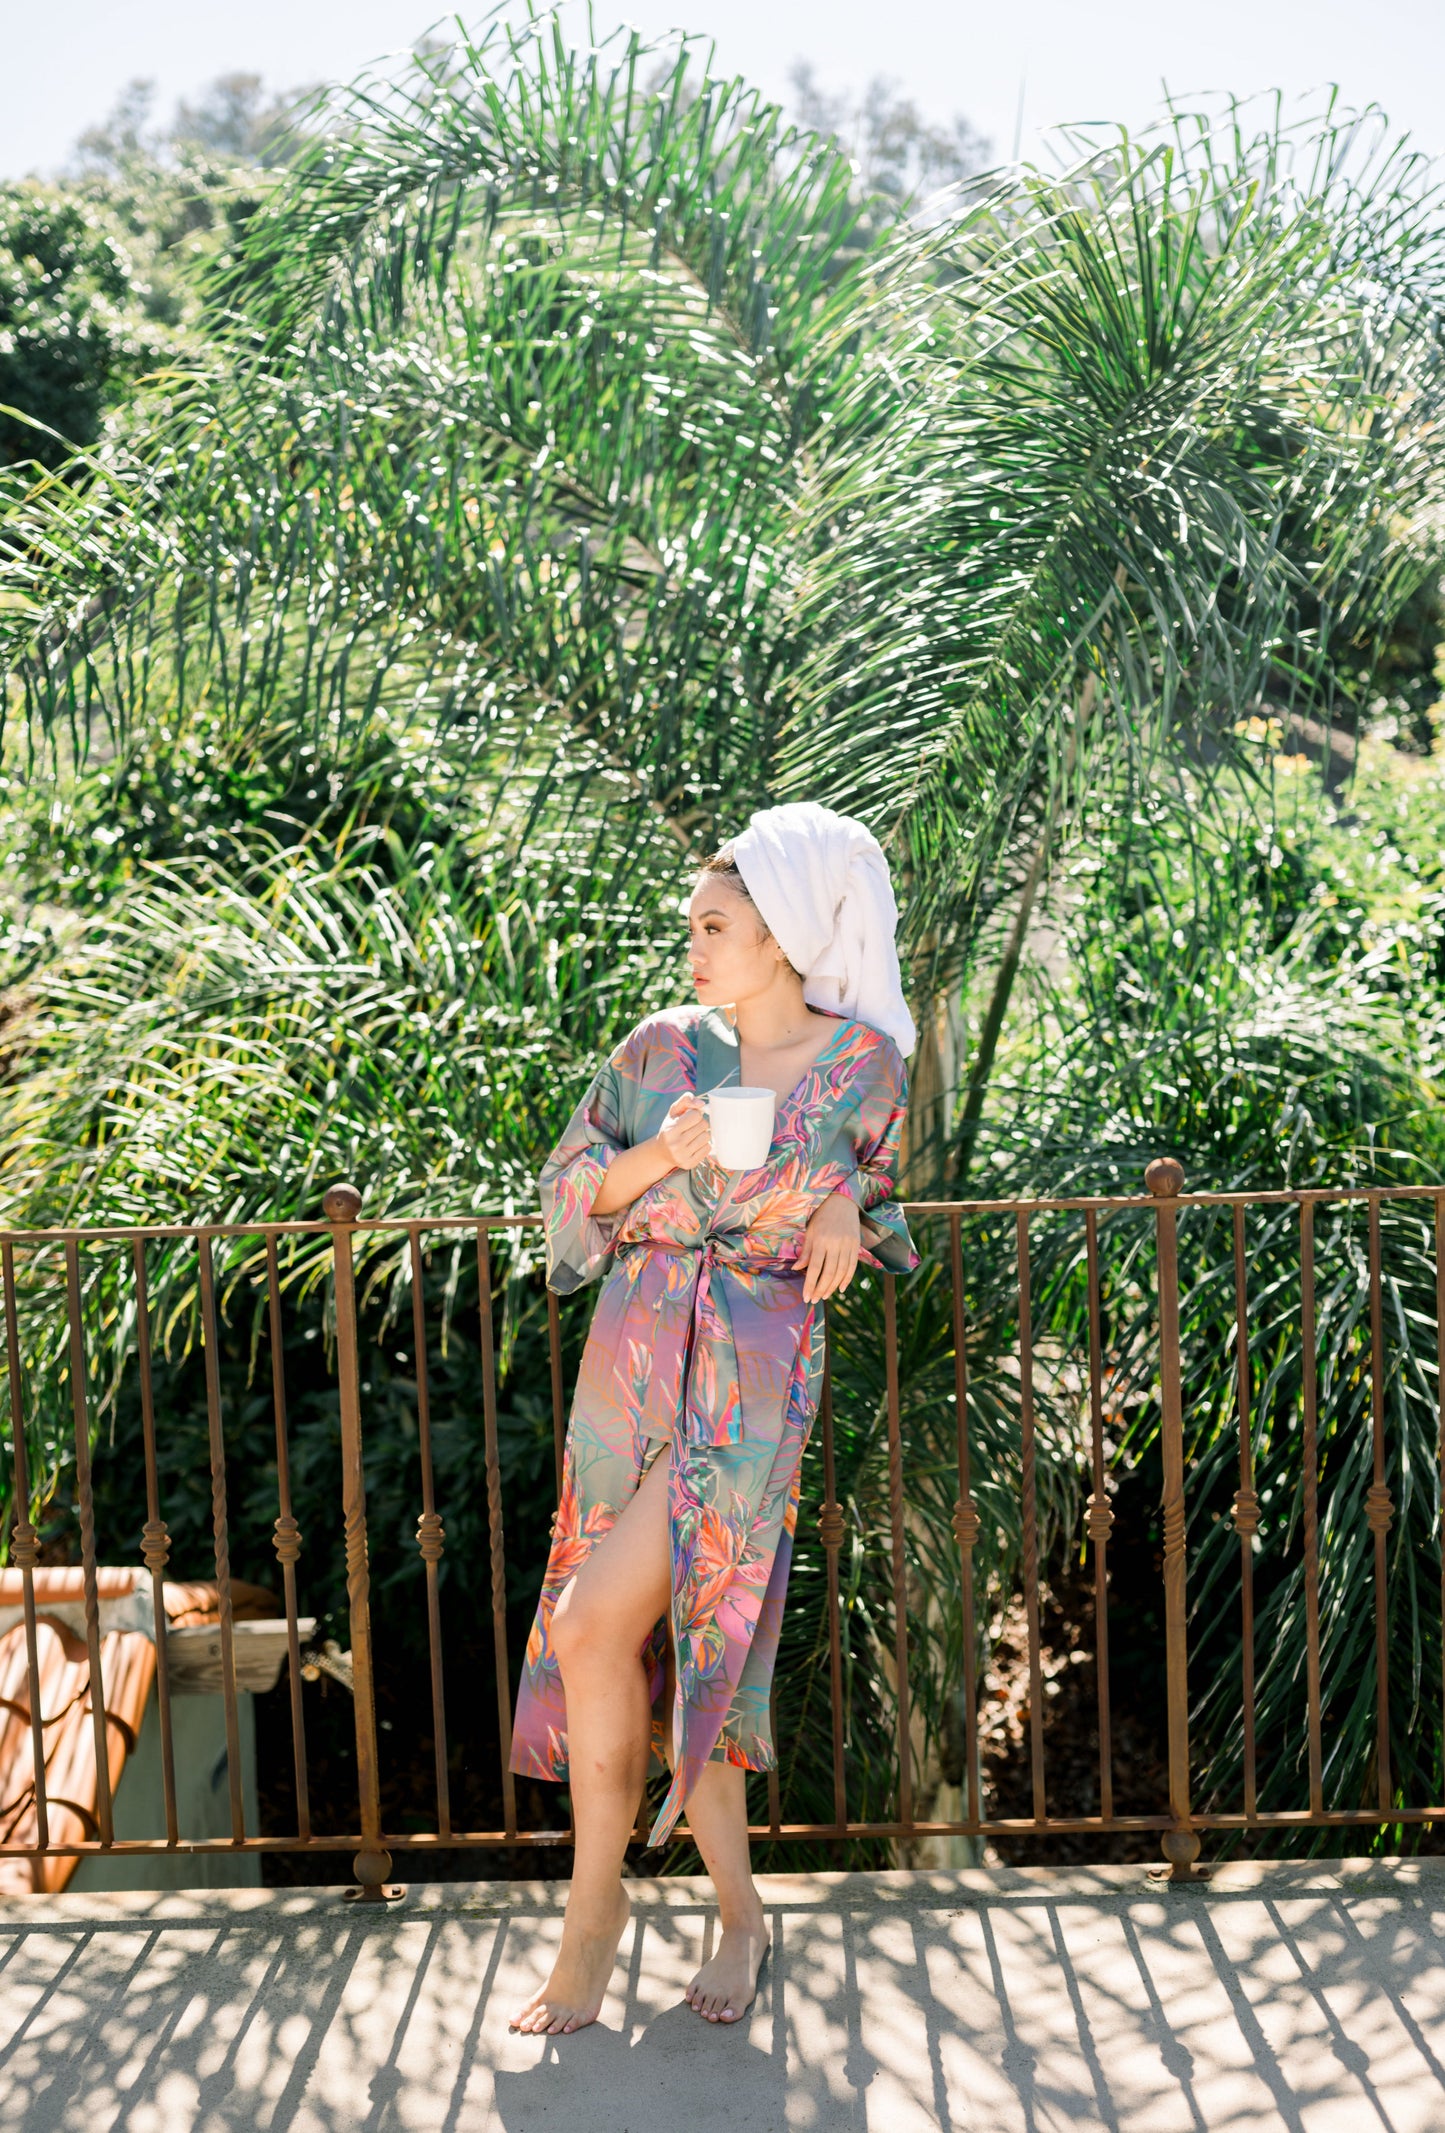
(1161, 446)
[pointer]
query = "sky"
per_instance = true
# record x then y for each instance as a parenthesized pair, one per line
(1014, 70)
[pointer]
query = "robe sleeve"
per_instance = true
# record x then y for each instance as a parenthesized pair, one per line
(580, 1244)
(871, 1185)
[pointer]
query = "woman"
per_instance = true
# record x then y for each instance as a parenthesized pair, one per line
(707, 1347)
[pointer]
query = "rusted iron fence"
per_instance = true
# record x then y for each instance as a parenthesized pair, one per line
(1127, 1351)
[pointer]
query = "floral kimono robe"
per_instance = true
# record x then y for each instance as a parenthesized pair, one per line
(701, 1342)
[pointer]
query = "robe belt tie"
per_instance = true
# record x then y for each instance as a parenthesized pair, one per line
(695, 1359)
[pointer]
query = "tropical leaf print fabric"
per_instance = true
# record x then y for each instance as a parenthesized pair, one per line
(701, 1342)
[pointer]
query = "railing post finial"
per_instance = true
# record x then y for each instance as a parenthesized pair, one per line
(1164, 1178)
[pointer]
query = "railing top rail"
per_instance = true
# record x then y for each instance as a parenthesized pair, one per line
(401, 1225)
(1101, 1203)
(260, 1230)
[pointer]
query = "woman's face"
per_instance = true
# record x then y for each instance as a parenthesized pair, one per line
(732, 954)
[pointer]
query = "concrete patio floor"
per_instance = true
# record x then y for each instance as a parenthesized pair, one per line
(1277, 1996)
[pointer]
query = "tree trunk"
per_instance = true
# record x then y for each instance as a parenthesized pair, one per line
(920, 1159)
(1003, 983)
(1003, 986)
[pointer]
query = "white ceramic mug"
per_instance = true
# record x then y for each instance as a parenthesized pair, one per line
(741, 1122)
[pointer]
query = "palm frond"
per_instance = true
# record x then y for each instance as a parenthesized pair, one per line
(1148, 426)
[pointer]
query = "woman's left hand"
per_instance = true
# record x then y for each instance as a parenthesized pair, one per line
(831, 1243)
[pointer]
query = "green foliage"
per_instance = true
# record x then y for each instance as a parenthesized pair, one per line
(1257, 990)
(97, 270)
(75, 325)
(1121, 491)
(234, 122)
(394, 1015)
(1252, 983)
(901, 157)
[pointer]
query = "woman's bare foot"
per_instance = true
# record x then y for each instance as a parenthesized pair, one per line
(572, 1996)
(723, 1989)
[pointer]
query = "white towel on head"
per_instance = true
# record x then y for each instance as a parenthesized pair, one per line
(821, 883)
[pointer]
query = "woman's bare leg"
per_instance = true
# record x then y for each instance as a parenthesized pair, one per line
(718, 1818)
(603, 1619)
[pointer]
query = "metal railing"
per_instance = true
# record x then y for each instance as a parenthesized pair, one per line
(35, 1263)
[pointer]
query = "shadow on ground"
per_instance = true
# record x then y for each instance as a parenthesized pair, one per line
(1298, 1997)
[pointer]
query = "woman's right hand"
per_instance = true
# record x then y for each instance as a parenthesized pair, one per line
(684, 1141)
(684, 1135)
